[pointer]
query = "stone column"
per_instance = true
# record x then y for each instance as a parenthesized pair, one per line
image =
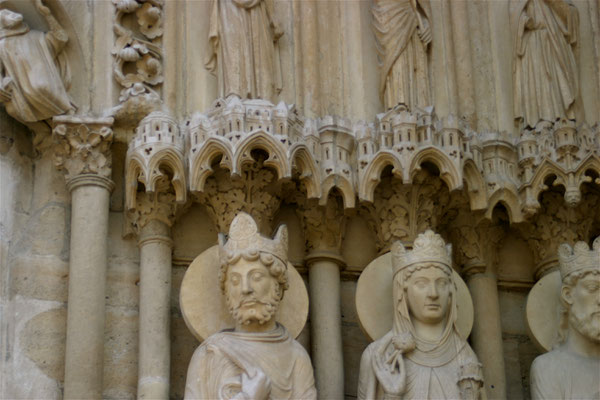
(486, 335)
(326, 322)
(155, 162)
(154, 226)
(324, 227)
(83, 151)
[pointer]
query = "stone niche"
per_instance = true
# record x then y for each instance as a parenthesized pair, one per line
(178, 119)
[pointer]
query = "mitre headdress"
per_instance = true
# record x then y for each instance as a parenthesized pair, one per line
(428, 247)
(578, 258)
(244, 238)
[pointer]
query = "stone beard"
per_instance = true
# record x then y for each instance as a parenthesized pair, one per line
(258, 359)
(572, 369)
(410, 363)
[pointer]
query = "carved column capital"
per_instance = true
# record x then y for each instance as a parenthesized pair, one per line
(324, 227)
(82, 146)
(255, 191)
(151, 208)
(401, 211)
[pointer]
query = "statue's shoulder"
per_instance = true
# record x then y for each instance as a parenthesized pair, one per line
(551, 358)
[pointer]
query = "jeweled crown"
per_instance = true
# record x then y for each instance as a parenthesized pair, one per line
(244, 237)
(427, 247)
(578, 258)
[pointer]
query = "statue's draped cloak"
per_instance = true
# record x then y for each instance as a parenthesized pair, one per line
(39, 72)
(217, 365)
(242, 51)
(545, 71)
(404, 76)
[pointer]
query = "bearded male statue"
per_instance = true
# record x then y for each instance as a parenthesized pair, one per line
(572, 370)
(257, 359)
(423, 355)
(34, 73)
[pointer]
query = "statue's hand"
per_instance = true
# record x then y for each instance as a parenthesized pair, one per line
(424, 31)
(257, 387)
(392, 379)
(45, 11)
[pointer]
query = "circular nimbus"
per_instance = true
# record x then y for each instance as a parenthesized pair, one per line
(374, 300)
(543, 311)
(203, 304)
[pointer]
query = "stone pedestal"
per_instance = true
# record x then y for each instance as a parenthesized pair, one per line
(155, 296)
(486, 335)
(325, 322)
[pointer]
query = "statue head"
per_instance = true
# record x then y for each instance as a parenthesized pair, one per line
(424, 290)
(580, 291)
(253, 271)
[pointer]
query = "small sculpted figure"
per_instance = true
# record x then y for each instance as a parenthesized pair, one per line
(545, 72)
(34, 74)
(402, 32)
(243, 52)
(257, 359)
(572, 369)
(423, 356)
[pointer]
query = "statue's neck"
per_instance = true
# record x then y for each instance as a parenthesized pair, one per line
(256, 327)
(580, 344)
(429, 332)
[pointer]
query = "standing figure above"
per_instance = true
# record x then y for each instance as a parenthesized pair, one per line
(545, 72)
(34, 73)
(258, 358)
(423, 356)
(403, 33)
(572, 369)
(243, 50)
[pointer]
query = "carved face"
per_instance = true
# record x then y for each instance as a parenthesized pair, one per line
(252, 293)
(584, 298)
(429, 292)
(10, 19)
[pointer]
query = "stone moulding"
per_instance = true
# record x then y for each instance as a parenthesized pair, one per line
(156, 151)
(333, 152)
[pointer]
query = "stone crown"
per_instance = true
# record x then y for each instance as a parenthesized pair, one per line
(428, 247)
(244, 237)
(578, 258)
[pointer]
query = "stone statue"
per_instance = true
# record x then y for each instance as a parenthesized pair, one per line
(243, 52)
(34, 74)
(258, 359)
(402, 32)
(572, 369)
(545, 72)
(423, 356)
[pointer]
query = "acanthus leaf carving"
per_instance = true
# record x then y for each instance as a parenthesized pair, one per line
(82, 145)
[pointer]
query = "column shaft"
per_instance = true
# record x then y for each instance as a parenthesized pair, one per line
(84, 358)
(326, 329)
(155, 296)
(487, 333)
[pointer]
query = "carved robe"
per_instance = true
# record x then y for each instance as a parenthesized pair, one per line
(243, 53)
(429, 375)
(560, 374)
(217, 365)
(38, 74)
(404, 74)
(545, 72)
